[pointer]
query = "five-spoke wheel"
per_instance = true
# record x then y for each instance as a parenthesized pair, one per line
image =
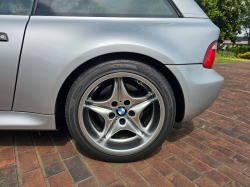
(120, 113)
(111, 119)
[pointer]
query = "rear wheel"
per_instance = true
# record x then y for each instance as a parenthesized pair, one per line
(120, 110)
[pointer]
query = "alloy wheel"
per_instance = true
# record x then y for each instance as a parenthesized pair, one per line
(121, 113)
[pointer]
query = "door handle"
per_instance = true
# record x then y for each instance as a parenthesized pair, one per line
(3, 37)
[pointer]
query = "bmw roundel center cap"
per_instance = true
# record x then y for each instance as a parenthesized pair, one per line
(121, 111)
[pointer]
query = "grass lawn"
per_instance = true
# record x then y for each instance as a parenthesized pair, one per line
(221, 60)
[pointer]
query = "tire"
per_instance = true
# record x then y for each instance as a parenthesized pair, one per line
(100, 130)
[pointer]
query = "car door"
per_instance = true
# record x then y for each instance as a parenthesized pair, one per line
(14, 15)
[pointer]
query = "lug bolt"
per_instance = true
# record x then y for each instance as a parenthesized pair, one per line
(122, 121)
(131, 113)
(111, 115)
(114, 104)
(127, 102)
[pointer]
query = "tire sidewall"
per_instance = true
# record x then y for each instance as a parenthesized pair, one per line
(110, 67)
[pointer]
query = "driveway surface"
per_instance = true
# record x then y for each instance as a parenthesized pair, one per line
(211, 150)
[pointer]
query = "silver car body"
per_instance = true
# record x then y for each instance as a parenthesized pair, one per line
(55, 46)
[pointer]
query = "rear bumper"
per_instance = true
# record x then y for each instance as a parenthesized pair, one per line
(200, 87)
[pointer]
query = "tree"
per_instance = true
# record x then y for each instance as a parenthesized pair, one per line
(245, 20)
(226, 15)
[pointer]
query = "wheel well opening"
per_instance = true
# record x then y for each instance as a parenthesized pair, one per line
(62, 95)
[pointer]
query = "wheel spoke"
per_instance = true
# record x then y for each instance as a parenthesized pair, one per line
(116, 95)
(100, 104)
(136, 101)
(105, 114)
(107, 103)
(137, 109)
(126, 96)
(116, 127)
(113, 130)
(135, 129)
(123, 91)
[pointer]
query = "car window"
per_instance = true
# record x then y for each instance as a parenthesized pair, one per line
(125, 8)
(16, 7)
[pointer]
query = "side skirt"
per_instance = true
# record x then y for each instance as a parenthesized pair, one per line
(10, 120)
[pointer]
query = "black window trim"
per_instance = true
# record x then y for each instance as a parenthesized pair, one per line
(177, 10)
(34, 7)
(173, 8)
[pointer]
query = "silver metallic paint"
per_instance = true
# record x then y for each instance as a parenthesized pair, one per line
(26, 121)
(200, 87)
(14, 27)
(56, 46)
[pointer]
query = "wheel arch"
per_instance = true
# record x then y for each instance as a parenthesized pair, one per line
(174, 83)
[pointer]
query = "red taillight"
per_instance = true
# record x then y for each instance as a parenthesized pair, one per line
(208, 61)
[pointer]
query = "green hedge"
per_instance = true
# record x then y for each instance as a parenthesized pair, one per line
(235, 49)
(225, 56)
